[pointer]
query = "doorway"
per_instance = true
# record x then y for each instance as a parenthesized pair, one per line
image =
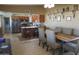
(7, 24)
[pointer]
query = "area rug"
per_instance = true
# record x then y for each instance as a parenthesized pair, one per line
(28, 38)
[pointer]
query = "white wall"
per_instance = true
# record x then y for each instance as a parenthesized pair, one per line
(2, 15)
(74, 23)
(1, 18)
(0, 21)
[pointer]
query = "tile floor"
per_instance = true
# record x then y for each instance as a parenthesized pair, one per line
(26, 47)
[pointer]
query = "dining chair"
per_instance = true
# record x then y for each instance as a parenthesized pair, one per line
(58, 29)
(72, 47)
(51, 41)
(42, 39)
(67, 31)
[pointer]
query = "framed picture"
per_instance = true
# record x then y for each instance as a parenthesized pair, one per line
(67, 9)
(63, 10)
(52, 17)
(49, 16)
(68, 18)
(58, 18)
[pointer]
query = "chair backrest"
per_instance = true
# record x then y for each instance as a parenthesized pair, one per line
(76, 32)
(41, 34)
(67, 31)
(50, 37)
(58, 29)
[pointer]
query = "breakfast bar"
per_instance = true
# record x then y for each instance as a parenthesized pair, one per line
(29, 31)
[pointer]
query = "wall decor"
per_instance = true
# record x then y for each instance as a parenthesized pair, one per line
(62, 12)
(75, 7)
(49, 16)
(73, 12)
(63, 9)
(67, 9)
(52, 17)
(58, 18)
(68, 18)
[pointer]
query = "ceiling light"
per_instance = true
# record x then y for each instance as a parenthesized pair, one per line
(45, 6)
(48, 5)
(52, 5)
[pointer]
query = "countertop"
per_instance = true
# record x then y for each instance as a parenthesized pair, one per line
(29, 27)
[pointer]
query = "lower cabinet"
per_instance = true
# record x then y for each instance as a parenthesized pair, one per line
(29, 32)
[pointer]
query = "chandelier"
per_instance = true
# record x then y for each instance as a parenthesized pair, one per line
(48, 5)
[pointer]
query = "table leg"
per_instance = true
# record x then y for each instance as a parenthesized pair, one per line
(61, 51)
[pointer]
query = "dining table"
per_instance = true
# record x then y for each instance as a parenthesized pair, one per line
(65, 38)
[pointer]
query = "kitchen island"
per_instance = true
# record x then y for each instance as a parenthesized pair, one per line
(29, 31)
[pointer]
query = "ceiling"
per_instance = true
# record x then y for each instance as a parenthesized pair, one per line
(21, 8)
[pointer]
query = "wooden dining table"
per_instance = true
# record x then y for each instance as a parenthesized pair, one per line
(66, 37)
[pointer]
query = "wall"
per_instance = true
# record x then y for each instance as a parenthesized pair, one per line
(2, 15)
(0, 21)
(74, 23)
(20, 10)
(1, 25)
(1, 18)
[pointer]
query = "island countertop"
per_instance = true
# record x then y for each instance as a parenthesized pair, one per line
(29, 27)
(29, 31)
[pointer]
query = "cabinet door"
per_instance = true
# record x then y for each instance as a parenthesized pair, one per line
(42, 18)
(35, 18)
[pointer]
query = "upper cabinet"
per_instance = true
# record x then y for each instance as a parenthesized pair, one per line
(42, 18)
(35, 18)
(38, 18)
